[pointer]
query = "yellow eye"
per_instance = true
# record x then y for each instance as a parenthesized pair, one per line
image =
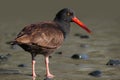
(68, 14)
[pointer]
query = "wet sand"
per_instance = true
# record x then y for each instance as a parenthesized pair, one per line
(102, 17)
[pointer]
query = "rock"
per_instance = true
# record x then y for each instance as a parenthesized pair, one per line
(75, 56)
(84, 56)
(3, 58)
(84, 36)
(112, 62)
(50, 57)
(22, 65)
(47, 79)
(80, 56)
(84, 45)
(96, 73)
(9, 71)
(8, 55)
(59, 52)
(77, 34)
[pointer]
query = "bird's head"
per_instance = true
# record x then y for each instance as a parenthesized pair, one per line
(68, 15)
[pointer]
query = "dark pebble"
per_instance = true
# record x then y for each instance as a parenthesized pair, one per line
(8, 55)
(113, 62)
(47, 79)
(84, 36)
(80, 56)
(81, 36)
(77, 34)
(58, 53)
(3, 58)
(96, 73)
(50, 57)
(22, 65)
(75, 56)
(10, 71)
(84, 45)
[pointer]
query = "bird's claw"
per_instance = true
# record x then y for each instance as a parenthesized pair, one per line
(50, 76)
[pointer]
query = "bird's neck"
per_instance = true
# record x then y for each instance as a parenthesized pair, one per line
(64, 26)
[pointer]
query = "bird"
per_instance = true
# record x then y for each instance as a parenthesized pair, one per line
(47, 36)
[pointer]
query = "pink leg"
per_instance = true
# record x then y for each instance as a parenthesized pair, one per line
(48, 74)
(33, 70)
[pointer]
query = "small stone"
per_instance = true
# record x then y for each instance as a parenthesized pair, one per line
(84, 56)
(80, 56)
(58, 53)
(113, 62)
(3, 58)
(77, 34)
(84, 36)
(8, 55)
(50, 57)
(96, 73)
(47, 78)
(22, 65)
(84, 45)
(75, 56)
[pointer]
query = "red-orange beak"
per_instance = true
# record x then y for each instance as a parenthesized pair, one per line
(77, 21)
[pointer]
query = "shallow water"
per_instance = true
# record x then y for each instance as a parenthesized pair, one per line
(102, 17)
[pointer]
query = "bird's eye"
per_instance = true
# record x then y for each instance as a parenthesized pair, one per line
(68, 14)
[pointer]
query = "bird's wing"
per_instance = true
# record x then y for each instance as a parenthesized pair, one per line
(43, 34)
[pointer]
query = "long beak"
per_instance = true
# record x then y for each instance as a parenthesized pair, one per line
(77, 21)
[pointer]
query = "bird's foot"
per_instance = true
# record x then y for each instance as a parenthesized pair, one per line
(33, 76)
(50, 76)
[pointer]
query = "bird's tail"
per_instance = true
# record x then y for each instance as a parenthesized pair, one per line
(12, 43)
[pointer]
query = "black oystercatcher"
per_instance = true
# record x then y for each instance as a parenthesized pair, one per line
(47, 36)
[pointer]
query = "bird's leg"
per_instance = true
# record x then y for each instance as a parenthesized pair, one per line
(33, 70)
(48, 74)
(33, 67)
